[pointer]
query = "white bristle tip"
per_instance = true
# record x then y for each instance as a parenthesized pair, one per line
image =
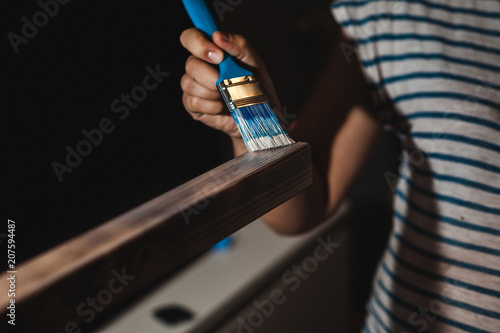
(268, 142)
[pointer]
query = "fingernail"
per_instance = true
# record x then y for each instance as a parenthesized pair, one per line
(224, 36)
(215, 56)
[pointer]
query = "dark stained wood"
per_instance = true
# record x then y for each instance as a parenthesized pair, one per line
(55, 289)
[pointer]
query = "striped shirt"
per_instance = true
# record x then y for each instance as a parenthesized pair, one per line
(434, 68)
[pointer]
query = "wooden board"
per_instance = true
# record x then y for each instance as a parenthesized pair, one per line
(67, 287)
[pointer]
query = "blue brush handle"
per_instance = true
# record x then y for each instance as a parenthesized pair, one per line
(203, 20)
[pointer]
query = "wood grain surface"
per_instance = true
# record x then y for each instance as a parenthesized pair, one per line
(66, 288)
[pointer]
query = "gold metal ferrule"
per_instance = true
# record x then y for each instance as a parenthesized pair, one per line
(241, 92)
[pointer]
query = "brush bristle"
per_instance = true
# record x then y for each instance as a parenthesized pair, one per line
(260, 128)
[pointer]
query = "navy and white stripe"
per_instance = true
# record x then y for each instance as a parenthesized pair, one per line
(434, 68)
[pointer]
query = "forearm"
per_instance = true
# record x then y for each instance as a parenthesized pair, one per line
(340, 124)
(302, 212)
(331, 177)
(308, 205)
(352, 146)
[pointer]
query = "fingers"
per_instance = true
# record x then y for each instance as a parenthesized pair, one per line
(199, 83)
(201, 96)
(198, 106)
(200, 93)
(191, 87)
(195, 42)
(201, 72)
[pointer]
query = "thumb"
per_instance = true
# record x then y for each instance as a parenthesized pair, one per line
(238, 47)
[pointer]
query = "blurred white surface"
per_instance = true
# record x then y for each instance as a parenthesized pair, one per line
(220, 283)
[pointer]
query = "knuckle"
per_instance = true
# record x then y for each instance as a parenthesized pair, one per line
(185, 101)
(190, 64)
(188, 100)
(186, 37)
(183, 82)
(186, 83)
(243, 49)
(196, 103)
(241, 41)
(198, 116)
(183, 38)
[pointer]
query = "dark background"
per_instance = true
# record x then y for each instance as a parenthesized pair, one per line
(62, 82)
(66, 77)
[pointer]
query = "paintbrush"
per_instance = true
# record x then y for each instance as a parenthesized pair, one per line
(245, 99)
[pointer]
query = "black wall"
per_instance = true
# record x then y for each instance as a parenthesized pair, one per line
(63, 79)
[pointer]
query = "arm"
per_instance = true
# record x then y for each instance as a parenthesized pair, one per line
(338, 121)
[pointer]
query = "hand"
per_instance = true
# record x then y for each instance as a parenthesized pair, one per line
(201, 97)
